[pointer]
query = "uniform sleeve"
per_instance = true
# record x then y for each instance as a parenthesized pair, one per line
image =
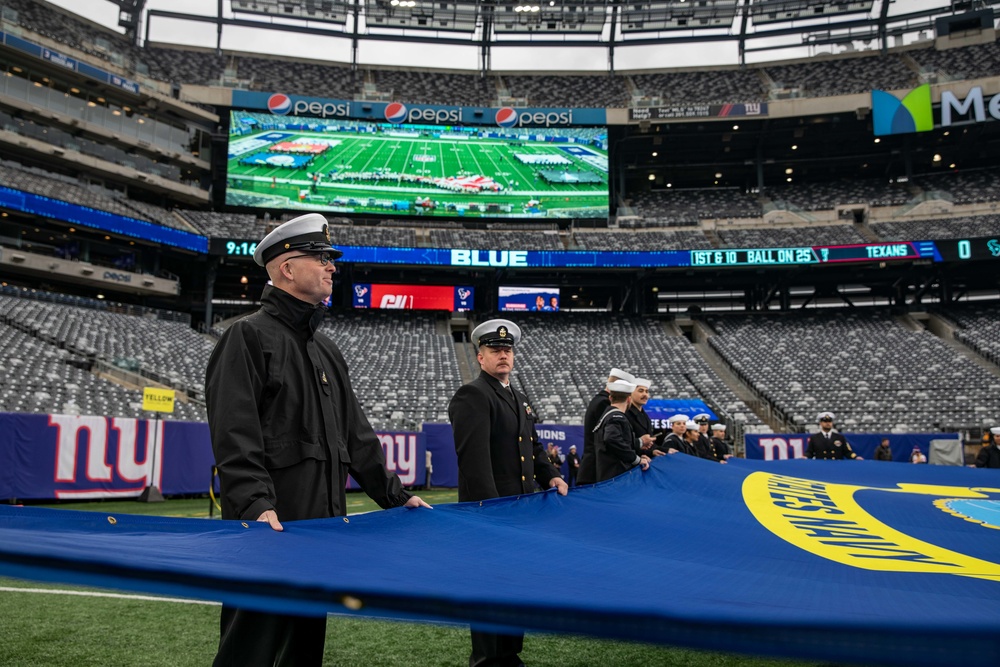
(617, 445)
(982, 458)
(848, 452)
(234, 384)
(367, 465)
(810, 449)
(469, 413)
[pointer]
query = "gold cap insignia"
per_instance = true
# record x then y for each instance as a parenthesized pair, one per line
(287, 246)
(502, 331)
(326, 233)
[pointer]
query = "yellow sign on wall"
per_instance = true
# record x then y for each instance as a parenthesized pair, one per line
(158, 400)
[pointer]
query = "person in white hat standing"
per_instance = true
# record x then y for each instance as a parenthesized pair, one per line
(675, 441)
(828, 443)
(492, 425)
(597, 406)
(286, 429)
(989, 455)
(718, 444)
(616, 446)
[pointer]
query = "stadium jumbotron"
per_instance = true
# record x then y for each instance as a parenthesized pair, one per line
(769, 210)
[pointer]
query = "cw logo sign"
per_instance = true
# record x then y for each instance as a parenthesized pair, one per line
(912, 113)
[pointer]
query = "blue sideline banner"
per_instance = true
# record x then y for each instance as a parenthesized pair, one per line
(662, 409)
(441, 445)
(779, 446)
(66, 457)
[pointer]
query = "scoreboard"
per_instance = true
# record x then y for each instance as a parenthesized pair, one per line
(947, 250)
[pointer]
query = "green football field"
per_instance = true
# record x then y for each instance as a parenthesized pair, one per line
(408, 172)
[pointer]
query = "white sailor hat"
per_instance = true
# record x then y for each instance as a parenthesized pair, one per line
(691, 425)
(496, 333)
(702, 418)
(572, 447)
(642, 382)
(825, 415)
(306, 233)
(621, 387)
(677, 418)
(719, 427)
(995, 430)
(621, 375)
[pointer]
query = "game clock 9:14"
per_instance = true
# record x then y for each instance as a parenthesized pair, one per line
(240, 248)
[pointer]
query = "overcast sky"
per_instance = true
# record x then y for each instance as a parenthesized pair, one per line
(540, 59)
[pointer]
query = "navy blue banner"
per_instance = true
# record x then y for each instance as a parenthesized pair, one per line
(780, 446)
(63, 60)
(68, 457)
(109, 222)
(662, 409)
(434, 114)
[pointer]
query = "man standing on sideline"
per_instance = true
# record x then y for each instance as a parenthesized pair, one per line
(598, 404)
(827, 443)
(989, 455)
(702, 445)
(492, 425)
(720, 448)
(642, 425)
(287, 428)
(883, 452)
(572, 465)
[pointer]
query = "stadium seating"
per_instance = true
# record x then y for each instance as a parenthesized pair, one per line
(562, 361)
(645, 240)
(970, 62)
(435, 87)
(828, 195)
(568, 91)
(842, 234)
(964, 187)
(506, 239)
(873, 373)
(690, 206)
(400, 381)
(843, 76)
(942, 228)
(978, 327)
(703, 86)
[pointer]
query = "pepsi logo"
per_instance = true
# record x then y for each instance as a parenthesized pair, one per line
(395, 112)
(279, 103)
(506, 117)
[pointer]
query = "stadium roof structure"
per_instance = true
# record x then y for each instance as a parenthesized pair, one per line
(754, 25)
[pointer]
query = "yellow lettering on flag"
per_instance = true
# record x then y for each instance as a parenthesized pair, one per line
(158, 400)
(825, 519)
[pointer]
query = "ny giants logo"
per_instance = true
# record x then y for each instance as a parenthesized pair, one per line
(125, 471)
(777, 449)
(400, 455)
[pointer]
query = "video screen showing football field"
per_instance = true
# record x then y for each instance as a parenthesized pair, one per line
(379, 168)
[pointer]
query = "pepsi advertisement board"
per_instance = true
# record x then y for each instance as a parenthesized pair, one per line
(399, 168)
(414, 297)
(528, 299)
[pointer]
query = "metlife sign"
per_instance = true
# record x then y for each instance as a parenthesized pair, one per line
(399, 113)
(914, 111)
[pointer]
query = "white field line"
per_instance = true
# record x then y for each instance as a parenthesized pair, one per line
(92, 594)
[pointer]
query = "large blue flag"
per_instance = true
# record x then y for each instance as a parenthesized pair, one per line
(879, 563)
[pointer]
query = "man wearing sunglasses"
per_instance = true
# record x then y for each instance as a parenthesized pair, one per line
(287, 428)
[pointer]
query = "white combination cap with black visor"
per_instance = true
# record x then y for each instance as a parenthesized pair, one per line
(309, 233)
